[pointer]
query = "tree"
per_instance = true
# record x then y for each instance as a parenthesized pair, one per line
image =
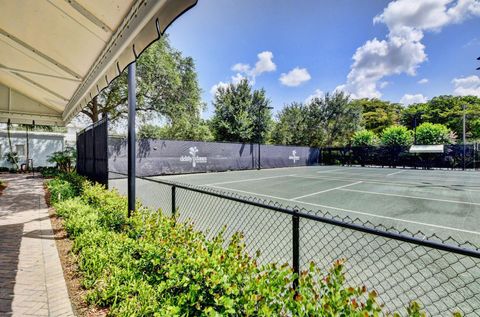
(327, 121)
(167, 86)
(241, 115)
(396, 136)
(291, 126)
(332, 120)
(378, 114)
(182, 129)
(364, 138)
(433, 133)
(446, 110)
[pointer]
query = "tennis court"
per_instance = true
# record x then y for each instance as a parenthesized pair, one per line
(441, 202)
(428, 204)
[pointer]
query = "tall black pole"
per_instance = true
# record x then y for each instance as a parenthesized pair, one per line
(131, 137)
(28, 148)
(258, 134)
(464, 137)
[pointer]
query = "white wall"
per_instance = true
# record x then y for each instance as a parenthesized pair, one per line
(41, 146)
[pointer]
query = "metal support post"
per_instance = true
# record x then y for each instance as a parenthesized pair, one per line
(131, 137)
(296, 248)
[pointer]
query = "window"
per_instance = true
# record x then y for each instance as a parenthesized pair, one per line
(20, 149)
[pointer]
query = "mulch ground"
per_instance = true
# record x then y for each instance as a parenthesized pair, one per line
(70, 269)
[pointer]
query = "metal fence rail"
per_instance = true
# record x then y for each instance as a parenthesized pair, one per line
(443, 275)
(455, 156)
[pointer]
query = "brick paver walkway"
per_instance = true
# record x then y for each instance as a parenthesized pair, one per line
(31, 276)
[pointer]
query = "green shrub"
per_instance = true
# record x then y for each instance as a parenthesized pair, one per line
(396, 136)
(60, 190)
(364, 138)
(49, 172)
(151, 265)
(429, 133)
(64, 160)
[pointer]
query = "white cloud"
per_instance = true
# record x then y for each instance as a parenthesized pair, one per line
(423, 81)
(316, 94)
(295, 77)
(242, 68)
(383, 84)
(402, 51)
(215, 88)
(408, 99)
(467, 86)
(264, 63)
(245, 71)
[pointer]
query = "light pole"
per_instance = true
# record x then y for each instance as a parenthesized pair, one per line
(415, 116)
(259, 134)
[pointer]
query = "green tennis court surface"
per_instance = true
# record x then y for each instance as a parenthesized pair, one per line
(441, 202)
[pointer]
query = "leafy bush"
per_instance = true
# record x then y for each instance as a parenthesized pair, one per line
(59, 190)
(49, 172)
(65, 186)
(396, 136)
(151, 265)
(429, 133)
(64, 160)
(364, 138)
(12, 158)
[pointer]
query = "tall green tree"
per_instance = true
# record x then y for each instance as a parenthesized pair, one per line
(291, 125)
(446, 110)
(327, 121)
(241, 114)
(167, 88)
(378, 114)
(182, 129)
(332, 120)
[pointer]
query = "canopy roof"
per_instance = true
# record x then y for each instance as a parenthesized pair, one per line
(56, 55)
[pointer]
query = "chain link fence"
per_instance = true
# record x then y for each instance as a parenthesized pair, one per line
(455, 156)
(442, 274)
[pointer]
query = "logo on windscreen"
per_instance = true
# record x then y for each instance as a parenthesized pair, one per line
(294, 157)
(193, 158)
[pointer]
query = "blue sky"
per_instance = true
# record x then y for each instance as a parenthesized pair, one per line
(403, 51)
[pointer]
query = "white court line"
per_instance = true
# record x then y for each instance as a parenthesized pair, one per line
(251, 193)
(394, 184)
(326, 190)
(352, 211)
(416, 177)
(395, 173)
(248, 180)
(328, 171)
(414, 197)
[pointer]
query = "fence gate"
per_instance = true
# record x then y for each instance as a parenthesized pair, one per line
(92, 152)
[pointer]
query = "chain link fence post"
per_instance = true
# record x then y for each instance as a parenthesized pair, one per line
(296, 247)
(174, 207)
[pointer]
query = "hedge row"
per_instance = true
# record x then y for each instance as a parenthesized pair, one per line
(150, 265)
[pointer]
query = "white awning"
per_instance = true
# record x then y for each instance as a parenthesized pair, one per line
(56, 55)
(427, 149)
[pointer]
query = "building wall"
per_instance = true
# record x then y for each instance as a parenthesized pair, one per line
(41, 146)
